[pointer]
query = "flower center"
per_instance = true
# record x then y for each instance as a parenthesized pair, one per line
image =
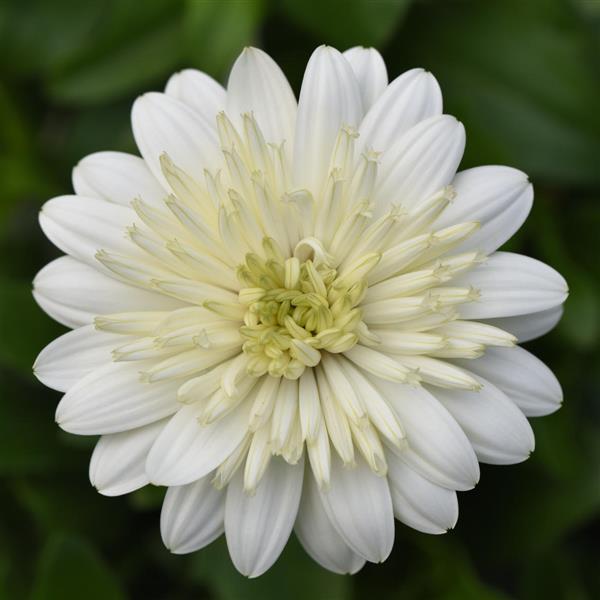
(297, 309)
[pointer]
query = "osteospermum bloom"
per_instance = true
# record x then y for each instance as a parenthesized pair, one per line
(294, 314)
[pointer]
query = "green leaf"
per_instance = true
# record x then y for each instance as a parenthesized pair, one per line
(581, 321)
(15, 133)
(143, 60)
(345, 24)
(24, 328)
(28, 433)
(23, 177)
(98, 127)
(518, 74)
(67, 502)
(70, 568)
(425, 567)
(23, 174)
(40, 37)
(148, 498)
(555, 575)
(215, 32)
(580, 324)
(36, 36)
(533, 514)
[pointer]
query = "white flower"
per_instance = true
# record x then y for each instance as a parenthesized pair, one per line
(294, 315)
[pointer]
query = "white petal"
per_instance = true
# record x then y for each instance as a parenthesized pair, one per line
(74, 293)
(437, 447)
(187, 450)
(199, 91)
(67, 359)
(257, 84)
(112, 399)
(329, 99)
(512, 284)
(418, 502)
(116, 177)
(319, 537)
(66, 315)
(500, 198)
(258, 526)
(412, 97)
(192, 516)
(309, 406)
(163, 124)
(379, 412)
(532, 326)
(420, 163)
(117, 464)
(82, 226)
(371, 74)
(359, 505)
(525, 379)
(497, 429)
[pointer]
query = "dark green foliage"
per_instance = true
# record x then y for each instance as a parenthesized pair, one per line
(523, 77)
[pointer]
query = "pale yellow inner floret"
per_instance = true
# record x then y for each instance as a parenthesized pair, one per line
(297, 309)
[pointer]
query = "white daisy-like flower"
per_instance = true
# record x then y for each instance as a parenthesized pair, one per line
(294, 314)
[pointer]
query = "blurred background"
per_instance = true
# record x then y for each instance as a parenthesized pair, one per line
(524, 79)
